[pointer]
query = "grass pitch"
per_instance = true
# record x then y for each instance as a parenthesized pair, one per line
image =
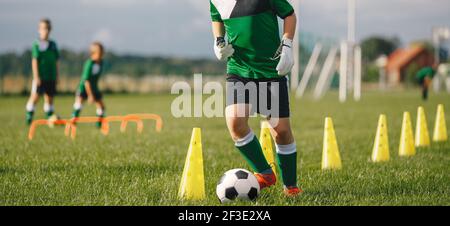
(133, 169)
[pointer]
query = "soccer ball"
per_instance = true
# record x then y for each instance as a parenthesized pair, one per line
(237, 184)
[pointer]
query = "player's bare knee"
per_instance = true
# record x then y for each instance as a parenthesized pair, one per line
(283, 135)
(238, 128)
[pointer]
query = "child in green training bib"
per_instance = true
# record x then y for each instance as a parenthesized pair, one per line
(45, 63)
(88, 87)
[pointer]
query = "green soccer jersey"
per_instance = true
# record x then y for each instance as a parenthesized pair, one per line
(252, 29)
(425, 72)
(91, 72)
(47, 55)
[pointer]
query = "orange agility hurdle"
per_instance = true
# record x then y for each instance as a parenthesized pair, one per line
(107, 120)
(41, 122)
(157, 118)
(71, 127)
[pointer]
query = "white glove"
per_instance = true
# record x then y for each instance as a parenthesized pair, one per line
(286, 57)
(222, 49)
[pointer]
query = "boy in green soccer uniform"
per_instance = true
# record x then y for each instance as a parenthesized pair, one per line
(45, 56)
(425, 76)
(88, 87)
(247, 36)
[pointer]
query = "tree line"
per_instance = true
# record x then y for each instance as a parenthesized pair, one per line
(137, 66)
(71, 64)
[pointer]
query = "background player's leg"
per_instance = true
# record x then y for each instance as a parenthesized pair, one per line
(48, 105)
(286, 151)
(100, 112)
(426, 85)
(245, 140)
(31, 104)
(77, 106)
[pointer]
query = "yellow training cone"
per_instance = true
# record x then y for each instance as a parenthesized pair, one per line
(440, 127)
(380, 151)
(331, 158)
(422, 136)
(407, 147)
(192, 186)
(265, 139)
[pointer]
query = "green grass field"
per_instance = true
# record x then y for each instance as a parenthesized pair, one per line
(133, 169)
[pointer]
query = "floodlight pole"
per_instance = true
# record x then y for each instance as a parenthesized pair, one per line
(351, 42)
(295, 73)
(351, 32)
(347, 54)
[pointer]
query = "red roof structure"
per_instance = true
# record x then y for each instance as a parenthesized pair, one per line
(401, 59)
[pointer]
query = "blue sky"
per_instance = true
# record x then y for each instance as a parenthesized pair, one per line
(181, 27)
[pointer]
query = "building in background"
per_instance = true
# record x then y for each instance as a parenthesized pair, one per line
(404, 63)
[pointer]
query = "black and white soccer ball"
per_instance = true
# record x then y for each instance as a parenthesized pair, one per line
(237, 184)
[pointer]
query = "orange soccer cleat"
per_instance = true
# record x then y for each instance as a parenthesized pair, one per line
(292, 191)
(266, 180)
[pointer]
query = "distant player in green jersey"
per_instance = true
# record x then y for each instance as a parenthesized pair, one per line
(246, 34)
(88, 87)
(45, 61)
(425, 76)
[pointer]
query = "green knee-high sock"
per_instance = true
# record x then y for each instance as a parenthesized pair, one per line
(287, 161)
(100, 115)
(250, 148)
(76, 109)
(30, 113)
(76, 113)
(99, 122)
(29, 117)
